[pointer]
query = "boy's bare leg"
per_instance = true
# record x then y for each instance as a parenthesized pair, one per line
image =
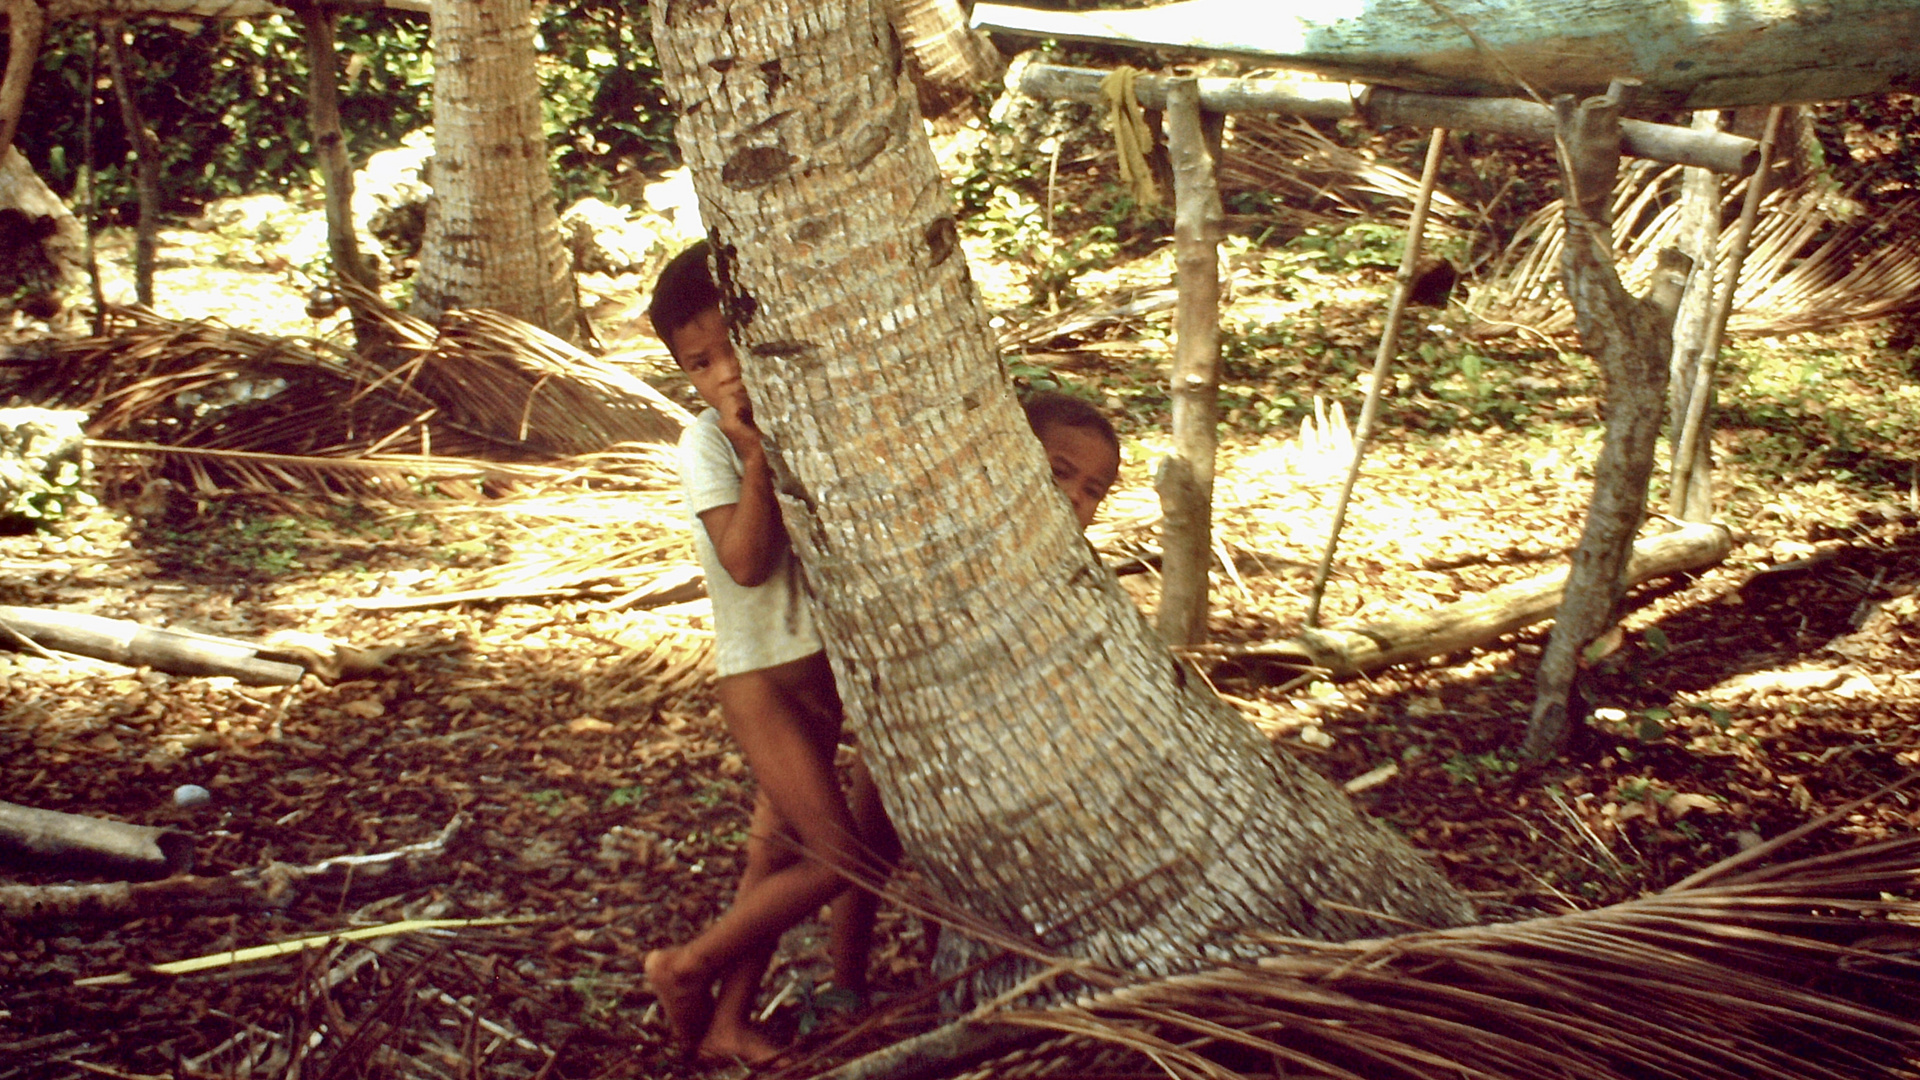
(850, 938)
(733, 1031)
(790, 747)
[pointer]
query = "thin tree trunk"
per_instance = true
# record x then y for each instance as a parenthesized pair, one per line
(146, 165)
(330, 147)
(1051, 768)
(1185, 480)
(493, 237)
(26, 25)
(1632, 340)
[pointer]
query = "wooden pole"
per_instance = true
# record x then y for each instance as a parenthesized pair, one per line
(176, 652)
(1185, 480)
(1382, 364)
(1631, 338)
(1688, 440)
(1319, 100)
(49, 839)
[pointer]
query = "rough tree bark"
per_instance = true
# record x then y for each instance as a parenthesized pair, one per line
(1050, 767)
(26, 25)
(950, 60)
(1632, 340)
(493, 237)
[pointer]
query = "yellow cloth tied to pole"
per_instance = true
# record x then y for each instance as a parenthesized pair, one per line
(1131, 137)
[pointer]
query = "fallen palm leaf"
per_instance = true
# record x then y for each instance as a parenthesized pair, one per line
(1818, 259)
(485, 398)
(235, 957)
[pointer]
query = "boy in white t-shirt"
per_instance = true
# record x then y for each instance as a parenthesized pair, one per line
(777, 695)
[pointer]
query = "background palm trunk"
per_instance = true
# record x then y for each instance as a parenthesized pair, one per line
(1050, 766)
(493, 236)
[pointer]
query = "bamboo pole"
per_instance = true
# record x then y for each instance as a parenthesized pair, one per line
(1185, 479)
(1382, 363)
(1688, 439)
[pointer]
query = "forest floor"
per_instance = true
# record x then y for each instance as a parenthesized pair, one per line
(602, 808)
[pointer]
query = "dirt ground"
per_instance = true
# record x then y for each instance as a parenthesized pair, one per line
(601, 810)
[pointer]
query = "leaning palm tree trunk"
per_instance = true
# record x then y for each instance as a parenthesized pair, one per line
(1052, 769)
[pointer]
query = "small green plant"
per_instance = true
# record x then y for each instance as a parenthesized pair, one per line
(551, 801)
(631, 795)
(1481, 768)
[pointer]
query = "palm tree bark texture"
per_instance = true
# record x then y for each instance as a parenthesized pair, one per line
(493, 236)
(1052, 769)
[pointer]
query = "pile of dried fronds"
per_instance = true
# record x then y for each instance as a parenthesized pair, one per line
(483, 397)
(1807, 969)
(1818, 258)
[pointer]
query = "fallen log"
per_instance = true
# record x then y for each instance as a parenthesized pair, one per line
(1686, 56)
(1383, 107)
(176, 652)
(51, 840)
(278, 885)
(1344, 652)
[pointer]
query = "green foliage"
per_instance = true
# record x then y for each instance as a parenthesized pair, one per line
(605, 103)
(1805, 410)
(226, 99)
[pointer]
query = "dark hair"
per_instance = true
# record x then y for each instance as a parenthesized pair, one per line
(684, 289)
(1049, 407)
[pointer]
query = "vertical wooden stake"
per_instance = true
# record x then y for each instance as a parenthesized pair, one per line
(1701, 199)
(1632, 339)
(1185, 480)
(1382, 363)
(1687, 439)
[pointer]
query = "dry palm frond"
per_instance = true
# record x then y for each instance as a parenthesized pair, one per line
(1800, 971)
(487, 398)
(1316, 181)
(1818, 260)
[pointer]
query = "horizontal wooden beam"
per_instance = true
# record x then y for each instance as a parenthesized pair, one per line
(1322, 100)
(1686, 55)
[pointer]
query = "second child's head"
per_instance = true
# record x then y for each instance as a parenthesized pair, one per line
(685, 311)
(1082, 449)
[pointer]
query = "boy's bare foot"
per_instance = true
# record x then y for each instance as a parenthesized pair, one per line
(743, 1042)
(689, 1006)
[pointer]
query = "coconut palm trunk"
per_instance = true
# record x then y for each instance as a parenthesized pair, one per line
(949, 60)
(1051, 767)
(493, 236)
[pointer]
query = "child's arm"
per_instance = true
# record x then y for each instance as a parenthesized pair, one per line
(748, 535)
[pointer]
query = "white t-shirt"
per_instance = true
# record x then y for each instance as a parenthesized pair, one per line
(756, 627)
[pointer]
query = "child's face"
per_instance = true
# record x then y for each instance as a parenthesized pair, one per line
(705, 352)
(1085, 466)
